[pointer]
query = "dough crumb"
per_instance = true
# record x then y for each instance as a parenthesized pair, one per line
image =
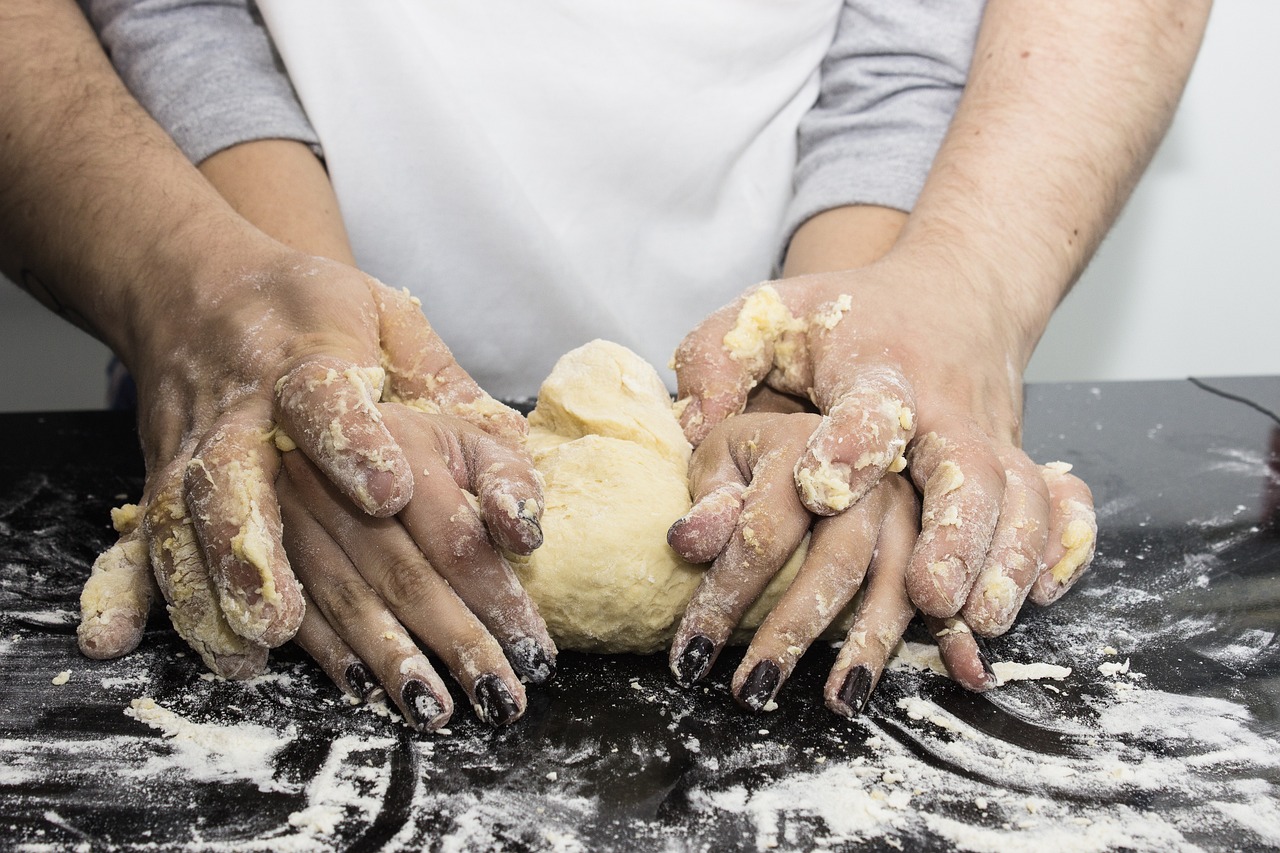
(61, 678)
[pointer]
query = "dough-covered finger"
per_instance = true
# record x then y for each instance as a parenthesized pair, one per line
(1013, 563)
(770, 528)
(1073, 533)
(840, 549)
(184, 580)
(117, 595)
(883, 615)
(343, 666)
(962, 481)
(422, 372)
(869, 416)
(230, 491)
(961, 653)
(327, 407)
(409, 589)
(453, 538)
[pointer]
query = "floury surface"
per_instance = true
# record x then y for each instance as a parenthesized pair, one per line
(1162, 737)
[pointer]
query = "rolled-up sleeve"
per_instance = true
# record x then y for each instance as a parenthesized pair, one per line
(206, 71)
(890, 85)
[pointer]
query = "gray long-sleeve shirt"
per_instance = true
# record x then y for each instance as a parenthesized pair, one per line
(889, 85)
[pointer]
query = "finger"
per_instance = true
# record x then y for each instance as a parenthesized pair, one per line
(728, 354)
(117, 595)
(870, 417)
(769, 530)
(840, 549)
(452, 535)
(717, 488)
(422, 372)
(326, 406)
(961, 654)
(1013, 563)
(962, 481)
(355, 612)
(317, 638)
(230, 493)
(184, 580)
(394, 568)
(1073, 533)
(884, 613)
(508, 488)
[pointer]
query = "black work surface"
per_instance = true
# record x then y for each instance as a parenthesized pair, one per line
(1177, 750)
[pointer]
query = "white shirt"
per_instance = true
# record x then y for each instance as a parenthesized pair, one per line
(540, 174)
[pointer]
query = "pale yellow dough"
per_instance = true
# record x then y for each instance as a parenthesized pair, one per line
(607, 443)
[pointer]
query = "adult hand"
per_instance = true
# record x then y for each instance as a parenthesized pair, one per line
(276, 347)
(748, 518)
(433, 571)
(934, 379)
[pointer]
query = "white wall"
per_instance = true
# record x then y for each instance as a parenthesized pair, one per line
(1188, 283)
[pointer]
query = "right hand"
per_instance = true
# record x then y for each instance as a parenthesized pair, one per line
(274, 338)
(434, 572)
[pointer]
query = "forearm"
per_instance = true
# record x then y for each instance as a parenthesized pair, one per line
(100, 214)
(281, 187)
(1064, 108)
(843, 238)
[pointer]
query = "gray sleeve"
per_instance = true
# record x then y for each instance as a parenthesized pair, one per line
(890, 85)
(206, 71)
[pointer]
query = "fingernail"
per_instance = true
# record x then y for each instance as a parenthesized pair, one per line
(694, 661)
(674, 530)
(531, 524)
(856, 690)
(531, 661)
(758, 689)
(360, 680)
(421, 705)
(992, 680)
(494, 703)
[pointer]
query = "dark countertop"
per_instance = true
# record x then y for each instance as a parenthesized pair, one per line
(1179, 752)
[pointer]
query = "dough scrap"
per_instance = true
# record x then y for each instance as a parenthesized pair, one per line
(606, 440)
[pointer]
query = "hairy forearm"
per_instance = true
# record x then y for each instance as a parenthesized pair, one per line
(100, 213)
(1065, 106)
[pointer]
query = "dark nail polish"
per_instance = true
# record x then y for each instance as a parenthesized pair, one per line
(694, 661)
(856, 689)
(360, 680)
(420, 703)
(530, 661)
(531, 522)
(494, 703)
(987, 668)
(758, 689)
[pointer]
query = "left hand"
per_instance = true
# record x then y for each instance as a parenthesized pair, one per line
(908, 361)
(747, 516)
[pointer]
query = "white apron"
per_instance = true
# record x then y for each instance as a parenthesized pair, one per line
(544, 173)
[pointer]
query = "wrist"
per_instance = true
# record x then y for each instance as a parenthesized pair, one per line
(1011, 299)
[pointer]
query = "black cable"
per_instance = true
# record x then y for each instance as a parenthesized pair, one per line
(1205, 386)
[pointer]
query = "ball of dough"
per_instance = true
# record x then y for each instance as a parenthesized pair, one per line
(605, 579)
(603, 388)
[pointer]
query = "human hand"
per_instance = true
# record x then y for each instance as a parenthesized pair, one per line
(432, 571)
(282, 339)
(907, 359)
(748, 518)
